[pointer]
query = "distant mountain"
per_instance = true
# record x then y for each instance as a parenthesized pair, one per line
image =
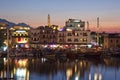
(11, 24)
(22, 24)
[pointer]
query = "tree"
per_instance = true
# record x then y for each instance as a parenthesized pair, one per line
(2, 38)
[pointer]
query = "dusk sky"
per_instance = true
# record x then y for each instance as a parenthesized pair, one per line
(34, 12)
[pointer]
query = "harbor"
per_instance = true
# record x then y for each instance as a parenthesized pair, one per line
(60, 68)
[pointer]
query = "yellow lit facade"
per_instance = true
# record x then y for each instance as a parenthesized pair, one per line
(20, 36)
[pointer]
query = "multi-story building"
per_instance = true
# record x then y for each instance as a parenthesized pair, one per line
(74, 33)
(19, 36)
(43, 36)
(34, 37)
(75, 24)
(111, 41)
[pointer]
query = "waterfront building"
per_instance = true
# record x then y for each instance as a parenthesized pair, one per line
(75, 24)
(74, 34)
(112, 40)
(19, 36)
(34, 37)
(44, 36)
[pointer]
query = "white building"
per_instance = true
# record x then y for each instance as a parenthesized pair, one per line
(75, 33)
(75, 24)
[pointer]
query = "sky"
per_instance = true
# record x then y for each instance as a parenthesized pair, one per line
(35, 12)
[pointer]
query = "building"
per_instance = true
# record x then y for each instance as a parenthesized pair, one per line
(34, 37)
(19, 36)
(43, 35)
(112, 41)
(75, 24)
(74, 34)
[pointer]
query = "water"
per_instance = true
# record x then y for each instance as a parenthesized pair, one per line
(60, 69)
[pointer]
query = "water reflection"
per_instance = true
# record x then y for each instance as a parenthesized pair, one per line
(61, 69)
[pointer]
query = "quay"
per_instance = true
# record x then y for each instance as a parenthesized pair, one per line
(62, 53)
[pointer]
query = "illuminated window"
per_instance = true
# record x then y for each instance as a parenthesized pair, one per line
(78, 25)
(81, 39)
(84, 40)
(76, 34)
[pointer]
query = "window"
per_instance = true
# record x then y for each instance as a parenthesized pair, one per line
(60, 40)
(69, 40)
(53, 36)
(69, 34)
(117, 41)
(84, 40)
(43, 36)
(84, 34)
(81, 39)
(76, 34)
(75, 40)
(34, 34)
(111, 41)
(80, 33)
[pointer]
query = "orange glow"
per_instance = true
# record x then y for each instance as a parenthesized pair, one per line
(21, 62)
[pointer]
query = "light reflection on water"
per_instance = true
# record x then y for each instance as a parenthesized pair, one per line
(61, 69)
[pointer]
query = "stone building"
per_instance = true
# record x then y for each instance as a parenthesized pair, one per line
(43, 35)
(112, 41)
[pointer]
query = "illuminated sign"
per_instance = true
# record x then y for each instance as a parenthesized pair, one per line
(20, 31)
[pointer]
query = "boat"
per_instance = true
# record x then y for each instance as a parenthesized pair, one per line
(92, 52)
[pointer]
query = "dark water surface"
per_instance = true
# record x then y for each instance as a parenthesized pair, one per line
(60, 69)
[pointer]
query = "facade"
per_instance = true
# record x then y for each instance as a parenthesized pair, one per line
(111, 41)
(75, 24)
(43, 35)
(19, 36)
(74, 33)
(77, 37)
(61, 37)
(34, 37)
